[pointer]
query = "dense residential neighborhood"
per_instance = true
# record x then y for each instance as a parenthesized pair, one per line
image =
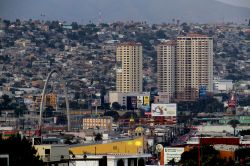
(85, 54)
(58, 87)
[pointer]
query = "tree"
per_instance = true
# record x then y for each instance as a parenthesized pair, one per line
(98, 137)
(128, 115)
(116, 106)
(123, 107)
(113, 114)
(160, 34)
(208, 156)
(245, 101)
(19, 112)
(6, 99)
(20, 151)
(106, 106)
(234, 124)
(208, 104)
(245, 132)
(185, 27)
(48, 112)
(172, 162)
(243, 154)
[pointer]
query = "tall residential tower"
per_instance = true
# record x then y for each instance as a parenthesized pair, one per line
(166, 53)
(194, 66)
(129, 67)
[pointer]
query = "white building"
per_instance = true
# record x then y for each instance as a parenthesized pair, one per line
(121, 97)
(112, 160)
(223, 85)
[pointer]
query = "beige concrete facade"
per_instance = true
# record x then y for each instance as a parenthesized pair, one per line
(194, 65)
(102, 123)
(129, 67)
(166, 53)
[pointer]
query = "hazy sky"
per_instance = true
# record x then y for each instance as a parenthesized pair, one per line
(242, 3)
(120, 10)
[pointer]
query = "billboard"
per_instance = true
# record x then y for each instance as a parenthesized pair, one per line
(139, 101)
(146, 109)
(146, 105)
(146, 100)
(163, 109)
(131, 102)
(96, 102)
(172, 153)
(202, 91)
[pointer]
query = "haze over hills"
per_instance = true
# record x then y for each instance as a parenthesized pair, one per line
(153, 11)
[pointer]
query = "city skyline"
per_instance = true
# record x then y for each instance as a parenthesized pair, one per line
(128, 92)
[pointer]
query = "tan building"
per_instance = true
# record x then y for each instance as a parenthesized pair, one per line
(50, 100)
(129, 67)
(102, 123)
(166, 53)
(194, 65)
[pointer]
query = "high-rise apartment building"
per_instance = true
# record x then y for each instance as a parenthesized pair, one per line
(166, 52)
(129, 67)
(194, 66)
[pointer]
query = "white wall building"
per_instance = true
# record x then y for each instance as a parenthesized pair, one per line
(223, 85)
(121, 97)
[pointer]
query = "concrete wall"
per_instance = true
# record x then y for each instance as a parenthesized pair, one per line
(56, 151)
(221, 128)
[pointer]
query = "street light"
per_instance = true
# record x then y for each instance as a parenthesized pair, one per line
(138, 144)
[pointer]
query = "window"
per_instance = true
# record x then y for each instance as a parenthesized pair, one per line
(47, 151)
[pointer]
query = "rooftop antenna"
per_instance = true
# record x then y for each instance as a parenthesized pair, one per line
(99, 17)
(173, 21)
(179, 28)
(42, 16)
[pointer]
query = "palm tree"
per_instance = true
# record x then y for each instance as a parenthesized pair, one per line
(234, 124)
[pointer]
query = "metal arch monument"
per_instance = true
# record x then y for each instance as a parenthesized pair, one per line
(65, 94)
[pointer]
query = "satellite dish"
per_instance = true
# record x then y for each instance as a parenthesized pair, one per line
(159, 147)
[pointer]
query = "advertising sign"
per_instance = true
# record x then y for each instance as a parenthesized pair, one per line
(202, 91)
(146, 109)
(172, 153)
(139, 101)
(96, 102)
(146, 100)
(131, 102)
(163, 109)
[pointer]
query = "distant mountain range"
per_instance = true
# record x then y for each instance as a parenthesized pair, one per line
(153, 11)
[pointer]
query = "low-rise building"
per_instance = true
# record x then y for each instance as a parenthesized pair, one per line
(124, 98)
(53, 152)
(223, 85)
(101, 122)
